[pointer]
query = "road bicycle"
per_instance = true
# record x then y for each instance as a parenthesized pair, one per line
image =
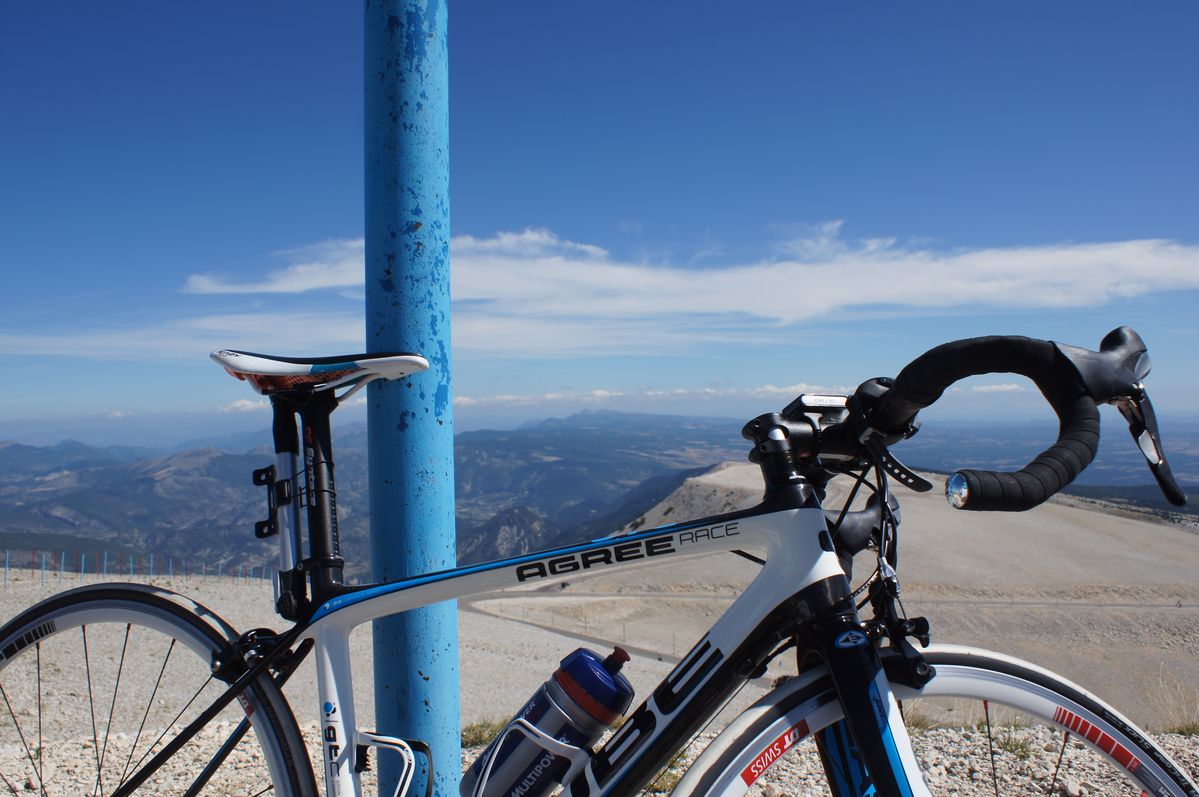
(121, 688)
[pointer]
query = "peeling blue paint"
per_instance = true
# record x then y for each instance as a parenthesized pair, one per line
(408, 306)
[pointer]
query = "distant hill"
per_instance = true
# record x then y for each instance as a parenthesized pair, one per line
(543, 484)
(516, 490)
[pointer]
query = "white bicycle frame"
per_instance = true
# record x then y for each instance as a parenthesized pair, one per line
(795, 558)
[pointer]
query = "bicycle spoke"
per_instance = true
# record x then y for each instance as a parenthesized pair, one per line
(87, 666)
(107, 724)
(1061, 754)
(37, 770)
(41, 746)
(991, 747)
(167, 729)
(115, 690)
(264, 791)
(146, 714)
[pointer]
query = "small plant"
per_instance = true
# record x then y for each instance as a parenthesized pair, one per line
(480, 733)
(916, 720)
(1012, 742)
(1189, 728)
(1177, 702)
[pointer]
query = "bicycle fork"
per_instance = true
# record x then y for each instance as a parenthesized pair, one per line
(869, 751)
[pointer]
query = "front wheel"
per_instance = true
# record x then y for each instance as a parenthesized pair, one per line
(987, 724)
(94, 681)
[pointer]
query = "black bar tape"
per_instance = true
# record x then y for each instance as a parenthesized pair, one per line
(1052, 470)
(926, 378)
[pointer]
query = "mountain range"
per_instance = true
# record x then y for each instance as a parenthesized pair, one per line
(516, 491)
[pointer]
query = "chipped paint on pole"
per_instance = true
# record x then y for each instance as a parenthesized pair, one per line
(410, 425)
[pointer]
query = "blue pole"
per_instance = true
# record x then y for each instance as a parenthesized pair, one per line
(410, 426)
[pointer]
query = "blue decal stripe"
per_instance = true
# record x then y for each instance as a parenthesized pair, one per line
(324, 368)
(368, 593)
(901, 776)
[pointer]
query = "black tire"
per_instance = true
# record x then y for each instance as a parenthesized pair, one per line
(1082, 725)
(95, 679)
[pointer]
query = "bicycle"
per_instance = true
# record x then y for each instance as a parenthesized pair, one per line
(859, 672)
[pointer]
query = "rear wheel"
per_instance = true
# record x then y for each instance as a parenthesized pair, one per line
(986, 724)
(95, 681)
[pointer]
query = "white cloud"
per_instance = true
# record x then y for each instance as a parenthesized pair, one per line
(324, 265)
(531, 292)
(601, 395)
(245, 405)
(190, 339)
(1007, 388)
(532, 242)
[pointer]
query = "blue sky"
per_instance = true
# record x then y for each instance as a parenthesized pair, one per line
(668, 207)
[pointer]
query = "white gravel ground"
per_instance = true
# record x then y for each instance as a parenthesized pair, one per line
(1112, 603)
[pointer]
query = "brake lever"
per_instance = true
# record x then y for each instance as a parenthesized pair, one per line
(1142, 423)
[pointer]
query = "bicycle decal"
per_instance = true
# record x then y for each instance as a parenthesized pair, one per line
(33, 635)
(1071, 721)
(774, 751)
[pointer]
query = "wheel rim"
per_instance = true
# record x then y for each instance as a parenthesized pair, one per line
(1009, 737)
(88, 693)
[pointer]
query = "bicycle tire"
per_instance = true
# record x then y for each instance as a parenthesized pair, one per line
(94, 680)
(776, 726)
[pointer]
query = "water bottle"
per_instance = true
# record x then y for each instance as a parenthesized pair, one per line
(584, 696)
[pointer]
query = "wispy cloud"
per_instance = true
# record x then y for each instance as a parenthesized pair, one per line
(534, 291)
(602, 395)
(245, 405)
(190, 339)
(533, 294)
(1005, 388)
(335, 264)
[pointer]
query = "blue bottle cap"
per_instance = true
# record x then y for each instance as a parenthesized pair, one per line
(599, 690)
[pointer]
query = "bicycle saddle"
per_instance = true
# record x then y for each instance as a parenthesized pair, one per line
(268, 374)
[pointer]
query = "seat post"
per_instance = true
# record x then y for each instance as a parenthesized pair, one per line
(324, 542)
